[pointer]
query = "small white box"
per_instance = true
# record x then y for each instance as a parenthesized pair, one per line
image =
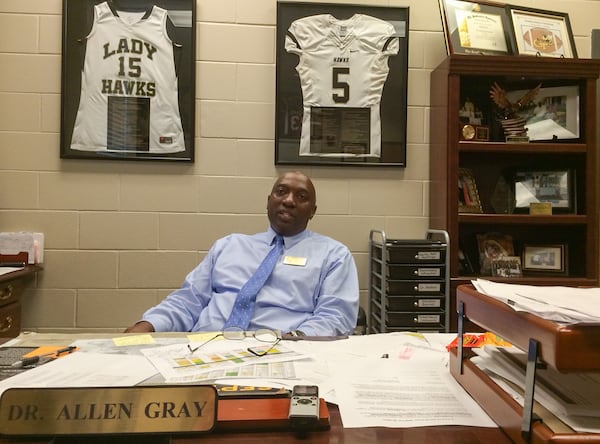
(17, 242)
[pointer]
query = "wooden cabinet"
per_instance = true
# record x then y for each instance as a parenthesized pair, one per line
(11, 289)
(494, 162)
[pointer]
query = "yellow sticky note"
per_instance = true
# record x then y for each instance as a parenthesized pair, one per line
(134, 340)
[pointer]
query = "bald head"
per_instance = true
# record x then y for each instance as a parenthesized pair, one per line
(292, 203)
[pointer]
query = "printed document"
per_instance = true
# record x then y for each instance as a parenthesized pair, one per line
(391, 393)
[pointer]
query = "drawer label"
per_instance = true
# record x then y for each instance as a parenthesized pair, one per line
(428, 255)
(429, 303)
(429, 287)
(429, 272)
(428, 319)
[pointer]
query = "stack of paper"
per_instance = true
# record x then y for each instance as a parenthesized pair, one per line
(572, 397)
(560, 304)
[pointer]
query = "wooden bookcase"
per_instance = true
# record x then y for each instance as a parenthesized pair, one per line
(494, 163)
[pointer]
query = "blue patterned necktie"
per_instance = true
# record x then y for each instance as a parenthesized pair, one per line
(243, 308)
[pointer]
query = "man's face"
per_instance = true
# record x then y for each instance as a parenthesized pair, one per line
(291, 204)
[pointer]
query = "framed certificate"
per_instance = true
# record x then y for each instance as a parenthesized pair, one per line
(542, 33)
(481, 28)
(128, 76)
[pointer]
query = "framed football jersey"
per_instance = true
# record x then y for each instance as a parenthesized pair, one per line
(128, 77)
(341, 80)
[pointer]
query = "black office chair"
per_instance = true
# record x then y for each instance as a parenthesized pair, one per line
(361, 322)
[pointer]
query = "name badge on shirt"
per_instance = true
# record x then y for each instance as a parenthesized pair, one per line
(295, 260)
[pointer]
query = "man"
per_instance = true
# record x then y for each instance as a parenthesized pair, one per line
(313, 289)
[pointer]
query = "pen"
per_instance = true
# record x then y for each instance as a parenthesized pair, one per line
(69, 349)
(12, 264)
(42, 359)
(33, 360)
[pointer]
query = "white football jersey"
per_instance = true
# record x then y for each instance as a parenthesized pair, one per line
(343, 68)
(128, 100)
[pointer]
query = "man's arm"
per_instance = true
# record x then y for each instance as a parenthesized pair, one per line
(181, 309)
(140, 327)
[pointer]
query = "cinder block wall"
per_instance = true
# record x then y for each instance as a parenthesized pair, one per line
(121, 235)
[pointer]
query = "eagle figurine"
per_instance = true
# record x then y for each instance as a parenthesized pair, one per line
(510, 109)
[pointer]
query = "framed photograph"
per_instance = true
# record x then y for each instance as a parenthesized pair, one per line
(341, 84)
(556, 187)
(552, 115)
(542, 33)
(128, 76)
(468, 196)
(481, 28)
(507, 266)
(545, 258)
(493, 246)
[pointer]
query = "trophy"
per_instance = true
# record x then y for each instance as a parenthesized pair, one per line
(512, 123)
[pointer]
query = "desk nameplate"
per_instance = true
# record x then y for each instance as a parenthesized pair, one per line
(108, 410)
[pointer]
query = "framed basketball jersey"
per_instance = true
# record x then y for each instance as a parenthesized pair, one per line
(128, 79)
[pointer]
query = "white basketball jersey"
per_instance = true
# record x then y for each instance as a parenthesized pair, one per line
(343, 64)
(128, 100)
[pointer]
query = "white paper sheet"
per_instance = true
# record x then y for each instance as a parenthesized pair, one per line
(392, 393)
(85, 370)
(573, 397)
(214, 360)
(6, 270)
(555, 303)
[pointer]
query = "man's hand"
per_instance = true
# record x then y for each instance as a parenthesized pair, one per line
(140, 327)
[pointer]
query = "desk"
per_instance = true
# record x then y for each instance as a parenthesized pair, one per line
(337, 433)
(11, 289)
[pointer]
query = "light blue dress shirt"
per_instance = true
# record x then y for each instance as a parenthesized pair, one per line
(319, 298)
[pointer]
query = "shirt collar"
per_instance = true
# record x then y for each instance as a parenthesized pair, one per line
(288, 241)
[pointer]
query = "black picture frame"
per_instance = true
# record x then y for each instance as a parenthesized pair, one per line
(130, 86)
(545, 259)
(490, 32)
(542, 33)
(341, 135)
(556, 187)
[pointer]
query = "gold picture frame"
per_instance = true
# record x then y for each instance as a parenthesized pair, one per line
(492, 247)
(468, 196)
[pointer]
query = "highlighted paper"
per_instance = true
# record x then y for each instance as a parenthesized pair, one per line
(479, 340)
(220, 359)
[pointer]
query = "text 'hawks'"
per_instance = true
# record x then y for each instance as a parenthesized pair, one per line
(129, 87)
